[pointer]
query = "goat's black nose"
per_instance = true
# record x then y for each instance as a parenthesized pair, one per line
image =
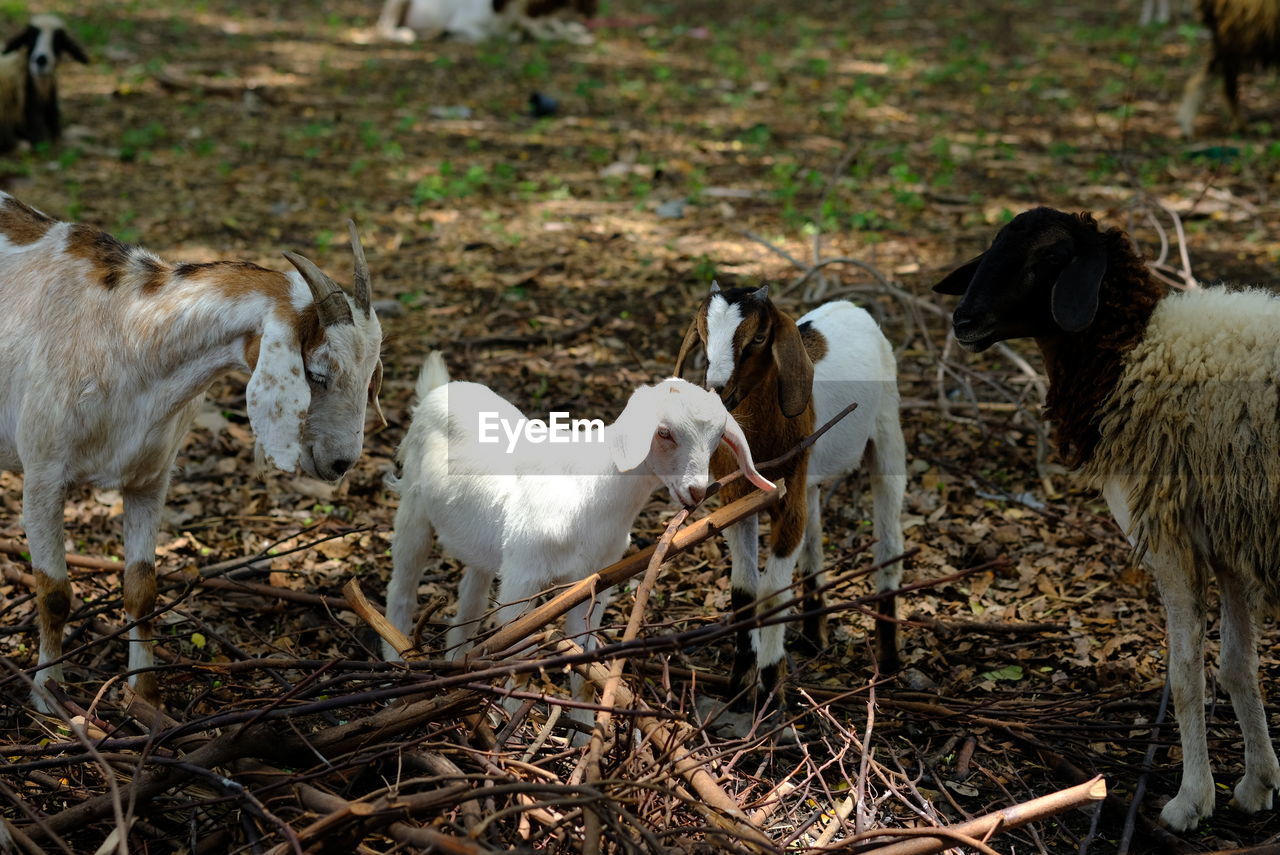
(41, 60)
(340, 466)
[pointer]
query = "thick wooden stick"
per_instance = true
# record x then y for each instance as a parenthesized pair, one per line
(992, 823)
(580, 592)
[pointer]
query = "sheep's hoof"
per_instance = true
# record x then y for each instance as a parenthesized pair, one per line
(1254, 792)
(1184, 812)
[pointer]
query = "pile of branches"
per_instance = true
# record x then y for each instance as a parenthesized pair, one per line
(367, 756)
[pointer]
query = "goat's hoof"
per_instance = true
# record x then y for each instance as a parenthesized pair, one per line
(1254, 792)
(1183, 812)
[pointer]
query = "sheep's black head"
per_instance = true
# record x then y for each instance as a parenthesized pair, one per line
(46, 41)
(1040, 277)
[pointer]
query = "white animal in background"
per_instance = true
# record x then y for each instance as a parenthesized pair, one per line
(478, 20)
(105, 354)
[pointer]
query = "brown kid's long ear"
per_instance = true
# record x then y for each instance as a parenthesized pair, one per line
(687, 346)
(957, 281)
(795, 370)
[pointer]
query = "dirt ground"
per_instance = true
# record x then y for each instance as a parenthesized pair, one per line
(558, 259)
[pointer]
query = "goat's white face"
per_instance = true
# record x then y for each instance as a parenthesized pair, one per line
(46, 41)
(673, 428)
(723, 320)
(344, 373)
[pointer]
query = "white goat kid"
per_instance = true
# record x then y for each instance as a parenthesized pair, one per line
(105, 354)
(537, 514)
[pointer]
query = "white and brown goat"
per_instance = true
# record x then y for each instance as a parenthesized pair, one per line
(781, 378)
(478, 20)
(105, 354)
(28, 82)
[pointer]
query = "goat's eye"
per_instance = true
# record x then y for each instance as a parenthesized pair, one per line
(321, 380)
(664, 433)
(759, 339)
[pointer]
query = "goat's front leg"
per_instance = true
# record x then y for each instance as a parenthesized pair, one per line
(142, 508)
(1238, 671)
(786, 532)
(43, 498)
(581, 625)
(1185, 615)
(744, 586)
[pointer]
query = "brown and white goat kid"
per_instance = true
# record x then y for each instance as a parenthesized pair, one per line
(105, 354)
(780, 379)
(28, 85)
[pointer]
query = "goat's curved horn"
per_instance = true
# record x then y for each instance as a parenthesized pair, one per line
(330, 302)
(362, 269)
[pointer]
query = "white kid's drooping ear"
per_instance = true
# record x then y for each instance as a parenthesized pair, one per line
(737, 442)
(631, 436)
(278, 396)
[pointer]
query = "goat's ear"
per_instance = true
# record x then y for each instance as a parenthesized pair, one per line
(26, 38)
(737, 442)
(375, 386)
(687, 346)
(631, 436)
(64, 44)
(278, 396)
(1074, 300)
(795, 369)
(957, 281)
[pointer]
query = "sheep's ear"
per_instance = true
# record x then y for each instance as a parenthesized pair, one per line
(687, 346)
(64, 44)
(278, 396)
(795, 369)
(957, 281)
(26, 38)
(375, 386)
(631, 436)
(1074, 300)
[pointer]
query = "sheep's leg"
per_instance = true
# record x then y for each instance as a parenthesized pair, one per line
(42, 503)
(409, 552)
(1184, 612)
(1231, 89)
(813, 632)
(744, 585)
(142, 509)
(785, 533)
(887, 456)
(1238, 672)
(1192, 98)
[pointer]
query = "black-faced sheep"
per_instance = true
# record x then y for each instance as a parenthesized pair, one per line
(1246, 35)
(1168, 404)
(28, 82)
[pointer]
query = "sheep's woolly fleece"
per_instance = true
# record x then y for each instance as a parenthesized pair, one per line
(1192, 426)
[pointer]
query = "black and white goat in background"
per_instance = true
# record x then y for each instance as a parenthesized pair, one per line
(28, 85)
